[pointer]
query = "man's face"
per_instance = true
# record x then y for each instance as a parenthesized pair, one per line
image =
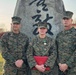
(15, 26)
(67, 22)
(42, 31)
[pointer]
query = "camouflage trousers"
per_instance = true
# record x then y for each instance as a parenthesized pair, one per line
(72, 74)
(69, 72)
(72, 71)
(36, 72)
(10, 70)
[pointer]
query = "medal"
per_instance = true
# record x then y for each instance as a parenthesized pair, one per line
(44, 43)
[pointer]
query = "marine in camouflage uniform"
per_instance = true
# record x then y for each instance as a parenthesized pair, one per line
(72, 60)
(66, 47)
(14, 50)
(42, 47)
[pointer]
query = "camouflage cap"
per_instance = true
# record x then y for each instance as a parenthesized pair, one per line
(68, 14)
(16, 19)
(42, 25)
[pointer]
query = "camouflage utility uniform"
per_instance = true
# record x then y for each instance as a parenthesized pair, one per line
(72, 71)
(14, 45)
(42, 47)
(66, 44)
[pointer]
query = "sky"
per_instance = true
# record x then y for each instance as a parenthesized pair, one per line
(7, 8)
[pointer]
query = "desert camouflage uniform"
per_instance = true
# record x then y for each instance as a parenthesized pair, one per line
(42, 47)
(66, 44)
(14, 45)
